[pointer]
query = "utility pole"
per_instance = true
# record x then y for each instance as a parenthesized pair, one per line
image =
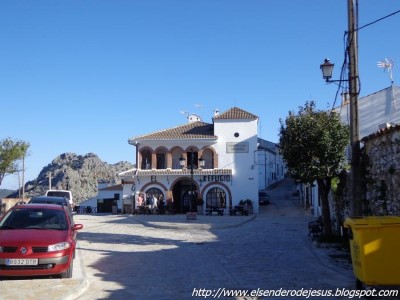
(356, 208)
(49, 176)
(23, 178)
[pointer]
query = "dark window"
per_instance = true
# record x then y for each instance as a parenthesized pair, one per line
(216, 197)
(160, 161)
(146, 160)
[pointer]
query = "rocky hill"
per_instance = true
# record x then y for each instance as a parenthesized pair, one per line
(5, 193)
(77, 173)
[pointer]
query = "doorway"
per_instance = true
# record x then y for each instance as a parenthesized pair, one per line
(182, 193)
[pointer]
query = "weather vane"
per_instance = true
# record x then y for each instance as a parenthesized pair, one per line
(387, 65)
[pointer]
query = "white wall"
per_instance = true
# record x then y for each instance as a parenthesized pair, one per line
(244, 183)
(103, 194)
(375, 109)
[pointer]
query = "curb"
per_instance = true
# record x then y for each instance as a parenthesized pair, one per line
(82, 283)
(191, 225)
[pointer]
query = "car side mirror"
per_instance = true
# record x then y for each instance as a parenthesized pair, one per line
(78, 226)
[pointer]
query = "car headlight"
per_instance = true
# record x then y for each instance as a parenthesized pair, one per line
(58, 247)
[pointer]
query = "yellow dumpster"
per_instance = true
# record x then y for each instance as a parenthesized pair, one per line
(375, 249)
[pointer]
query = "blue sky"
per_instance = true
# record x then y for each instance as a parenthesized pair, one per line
(85, 76)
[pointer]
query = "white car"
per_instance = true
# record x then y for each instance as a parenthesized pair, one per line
(61, 193)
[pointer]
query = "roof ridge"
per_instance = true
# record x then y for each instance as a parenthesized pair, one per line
(236, 113)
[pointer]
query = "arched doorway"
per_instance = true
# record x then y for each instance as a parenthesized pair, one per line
(182, 193)
(154, 197)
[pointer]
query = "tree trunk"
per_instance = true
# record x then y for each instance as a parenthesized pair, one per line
(324, 186)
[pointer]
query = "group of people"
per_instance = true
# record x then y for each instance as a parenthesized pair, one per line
(152, 204)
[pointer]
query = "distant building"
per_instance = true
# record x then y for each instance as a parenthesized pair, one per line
(271, 167)
(223, 158)
(108, 199)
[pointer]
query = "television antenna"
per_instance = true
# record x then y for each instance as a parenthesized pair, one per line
(387, 64)
(185, 113)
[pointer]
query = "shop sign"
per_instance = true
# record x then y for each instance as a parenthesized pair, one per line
(212, 178)
(237, 147)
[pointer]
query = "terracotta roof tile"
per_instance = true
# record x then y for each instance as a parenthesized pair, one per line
(195, 130)
(179, 172)
(184, 171)
(236, 113)
(381, 132)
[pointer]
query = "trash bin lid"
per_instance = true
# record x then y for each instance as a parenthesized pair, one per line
(374, 221)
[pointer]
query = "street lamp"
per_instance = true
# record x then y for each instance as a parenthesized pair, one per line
(201, 164)
(327, 70)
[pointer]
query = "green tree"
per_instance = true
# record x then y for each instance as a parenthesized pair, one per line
(313, 144)
(11, 151)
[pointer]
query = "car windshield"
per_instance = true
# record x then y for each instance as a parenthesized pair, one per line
(34, 219)
(58, 194)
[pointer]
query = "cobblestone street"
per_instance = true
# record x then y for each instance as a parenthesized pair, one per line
(125, 259)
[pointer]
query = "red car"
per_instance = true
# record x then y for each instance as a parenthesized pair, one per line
(37, 240)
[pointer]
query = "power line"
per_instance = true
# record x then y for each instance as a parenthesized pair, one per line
(344, 65)
(376, 21)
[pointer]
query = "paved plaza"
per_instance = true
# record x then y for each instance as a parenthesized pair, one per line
(169, 257)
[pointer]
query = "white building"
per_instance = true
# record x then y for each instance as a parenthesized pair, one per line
(227, 148)
(109, 196)
(374, 111)
(271, 167)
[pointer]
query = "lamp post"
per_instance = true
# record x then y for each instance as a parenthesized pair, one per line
(67, 179)
(49, 176)
(327, 69)
(193, 207)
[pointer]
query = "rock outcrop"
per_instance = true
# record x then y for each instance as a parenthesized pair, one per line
(77, 173)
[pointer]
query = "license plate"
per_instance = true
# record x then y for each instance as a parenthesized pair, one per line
(21, 262)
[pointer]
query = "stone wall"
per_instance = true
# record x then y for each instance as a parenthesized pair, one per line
(383, 171)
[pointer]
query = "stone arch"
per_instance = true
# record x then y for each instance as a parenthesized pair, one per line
(176, 153)
(223, 186)
(161, 157)
(209, 155)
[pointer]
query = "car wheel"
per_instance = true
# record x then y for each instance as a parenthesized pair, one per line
(68, 273)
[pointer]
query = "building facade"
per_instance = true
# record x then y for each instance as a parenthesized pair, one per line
(210, 164)
(271, 167)
(108, 199)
